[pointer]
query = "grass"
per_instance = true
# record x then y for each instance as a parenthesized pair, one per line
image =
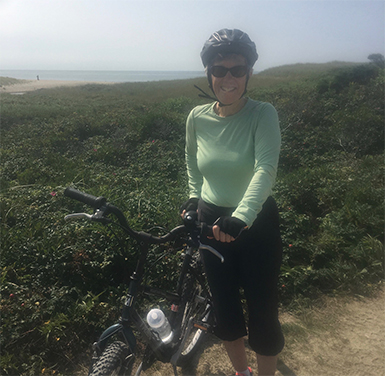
(5, 81)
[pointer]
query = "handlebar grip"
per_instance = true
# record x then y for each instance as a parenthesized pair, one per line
(85, 198)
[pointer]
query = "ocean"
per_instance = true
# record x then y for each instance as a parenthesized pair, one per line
(100, 76)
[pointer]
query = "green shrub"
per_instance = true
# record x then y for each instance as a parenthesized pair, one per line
(62, 281)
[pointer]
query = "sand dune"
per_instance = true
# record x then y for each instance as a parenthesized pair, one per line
(30, 85)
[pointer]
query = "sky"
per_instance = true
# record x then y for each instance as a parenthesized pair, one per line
(169, 35)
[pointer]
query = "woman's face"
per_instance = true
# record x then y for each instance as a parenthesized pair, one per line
(229, 89)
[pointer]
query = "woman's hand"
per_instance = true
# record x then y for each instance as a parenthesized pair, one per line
(190, 204)
(227, 229)
(221, 236)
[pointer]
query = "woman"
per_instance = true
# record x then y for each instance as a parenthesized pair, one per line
(232, 150)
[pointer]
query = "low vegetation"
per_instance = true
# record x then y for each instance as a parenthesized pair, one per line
(5, 81)
(62, 282)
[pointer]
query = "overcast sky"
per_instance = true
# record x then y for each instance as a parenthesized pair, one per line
(169, 35)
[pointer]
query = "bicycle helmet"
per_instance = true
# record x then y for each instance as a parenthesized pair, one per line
(229, 41)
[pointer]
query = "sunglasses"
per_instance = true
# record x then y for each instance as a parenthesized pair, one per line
(237, 71)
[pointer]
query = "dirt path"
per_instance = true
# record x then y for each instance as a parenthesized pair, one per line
(345, 337)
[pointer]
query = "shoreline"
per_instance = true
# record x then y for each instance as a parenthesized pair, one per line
(24, 86)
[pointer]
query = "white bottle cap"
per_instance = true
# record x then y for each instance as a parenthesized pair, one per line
(155, 318)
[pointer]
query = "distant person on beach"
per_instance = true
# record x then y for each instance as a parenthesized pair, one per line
(37, 77)
(232, 151)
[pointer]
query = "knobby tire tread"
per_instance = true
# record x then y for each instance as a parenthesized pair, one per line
(111, 360)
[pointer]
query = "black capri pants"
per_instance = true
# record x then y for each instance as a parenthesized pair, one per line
(252, 262)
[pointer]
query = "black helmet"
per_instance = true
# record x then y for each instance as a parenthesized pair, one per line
(229, 41)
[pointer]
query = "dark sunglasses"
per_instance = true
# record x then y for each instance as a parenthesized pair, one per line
(237, 71)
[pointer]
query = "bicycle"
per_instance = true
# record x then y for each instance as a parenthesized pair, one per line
(190, 316)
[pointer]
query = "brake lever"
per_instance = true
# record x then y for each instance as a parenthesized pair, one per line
(212, 250)
(78, 215)
(98, 216)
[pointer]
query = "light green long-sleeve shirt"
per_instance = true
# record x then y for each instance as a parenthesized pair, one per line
(232, 161)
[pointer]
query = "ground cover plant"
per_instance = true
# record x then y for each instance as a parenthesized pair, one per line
(62, 282)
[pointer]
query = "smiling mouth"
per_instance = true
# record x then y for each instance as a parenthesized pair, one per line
(228, 89)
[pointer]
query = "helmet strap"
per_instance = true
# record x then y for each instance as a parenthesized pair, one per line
(207, 96)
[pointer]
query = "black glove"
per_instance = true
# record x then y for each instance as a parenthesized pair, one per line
(190, 205)
(231, 225)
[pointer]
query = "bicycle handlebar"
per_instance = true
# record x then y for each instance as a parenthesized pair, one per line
(102, 207)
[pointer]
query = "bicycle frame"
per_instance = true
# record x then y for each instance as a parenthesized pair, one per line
(129, 316)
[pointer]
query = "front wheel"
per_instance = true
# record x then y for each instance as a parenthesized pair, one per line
(195, 308)
(114, 361)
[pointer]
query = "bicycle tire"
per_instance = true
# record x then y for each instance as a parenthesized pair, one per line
(199, 309)
(112, 361)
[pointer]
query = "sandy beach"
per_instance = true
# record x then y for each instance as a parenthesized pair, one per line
(31, 85)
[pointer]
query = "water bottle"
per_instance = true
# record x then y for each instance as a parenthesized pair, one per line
(159, 323)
